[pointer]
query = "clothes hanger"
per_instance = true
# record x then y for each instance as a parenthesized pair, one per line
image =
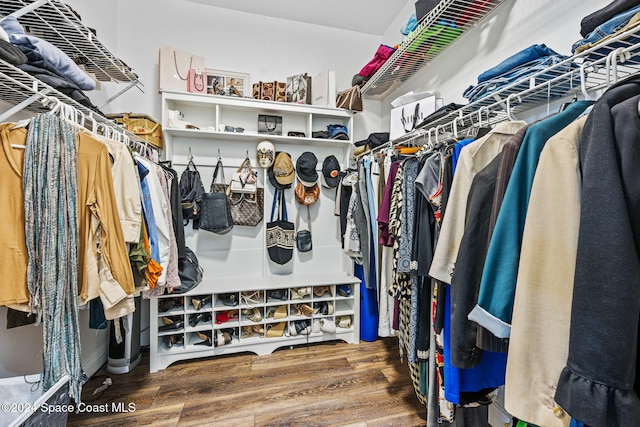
(583, 81)
(509, 111)
(455, 125)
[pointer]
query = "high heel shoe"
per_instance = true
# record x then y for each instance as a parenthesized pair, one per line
(230, 300)
(303, 310)
(275, 330)
(247, 332)
(224, 338)
(205, 336)
(171, 324)
(200, 301)
(278, 313)
(300, 293)
(258, 329)
(320, 290)
(194, 319)
(256, 315)
(225, 316)
(167, 304)
(171, 340)
(251, 298)
(278, 294)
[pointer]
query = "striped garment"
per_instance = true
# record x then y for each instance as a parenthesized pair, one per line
(50, 180)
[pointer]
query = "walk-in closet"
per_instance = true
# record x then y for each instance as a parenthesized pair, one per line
(320, 213)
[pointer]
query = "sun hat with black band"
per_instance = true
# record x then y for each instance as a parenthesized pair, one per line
(306, 169)
(281, 173)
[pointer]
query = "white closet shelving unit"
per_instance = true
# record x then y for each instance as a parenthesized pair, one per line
(237, 263)
(442, 26)
(584, 75)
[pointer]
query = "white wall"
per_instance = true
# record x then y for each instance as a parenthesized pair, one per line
(266, 48)
(21, 348)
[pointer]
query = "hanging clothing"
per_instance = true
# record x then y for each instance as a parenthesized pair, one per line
(97, 220)
(465, 281)
(495, 299)
(485, 340)
(539, 340)
(473, 158)
(128, 197)
(385, 206)
(599, 384)
(13, 262)
(51, 204)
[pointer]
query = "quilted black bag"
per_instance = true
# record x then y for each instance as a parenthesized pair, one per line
(191, 191)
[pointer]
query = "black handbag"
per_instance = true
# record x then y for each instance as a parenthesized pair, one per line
(303, 237)
(270, 125)
(280, 232)
(216, 212)
(191, 191)
(190, 272)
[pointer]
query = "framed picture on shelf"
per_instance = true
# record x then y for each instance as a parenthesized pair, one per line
(227, 83)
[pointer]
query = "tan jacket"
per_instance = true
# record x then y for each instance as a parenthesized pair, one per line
(542, 308)
(473, 158)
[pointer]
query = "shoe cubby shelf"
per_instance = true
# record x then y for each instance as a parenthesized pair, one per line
(202, 324)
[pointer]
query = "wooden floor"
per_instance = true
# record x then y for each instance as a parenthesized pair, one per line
(328, 384)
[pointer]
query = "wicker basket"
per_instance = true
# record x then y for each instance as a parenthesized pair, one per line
(141, 125)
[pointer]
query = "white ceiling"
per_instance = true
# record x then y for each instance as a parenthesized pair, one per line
(363, 16)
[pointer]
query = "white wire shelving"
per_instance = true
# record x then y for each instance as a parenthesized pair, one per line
(583, 76)
(441, 27)
(58, 24)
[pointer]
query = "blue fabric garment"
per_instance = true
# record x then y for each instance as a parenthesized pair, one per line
(43, 54)
(525, 56)
(576, 423)
(455, 153)
(608, 28)
(490, 372)
(497, 287)
(368, 307)
(473, 93)
(147, 212)
(373, 224)
(411, 25)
